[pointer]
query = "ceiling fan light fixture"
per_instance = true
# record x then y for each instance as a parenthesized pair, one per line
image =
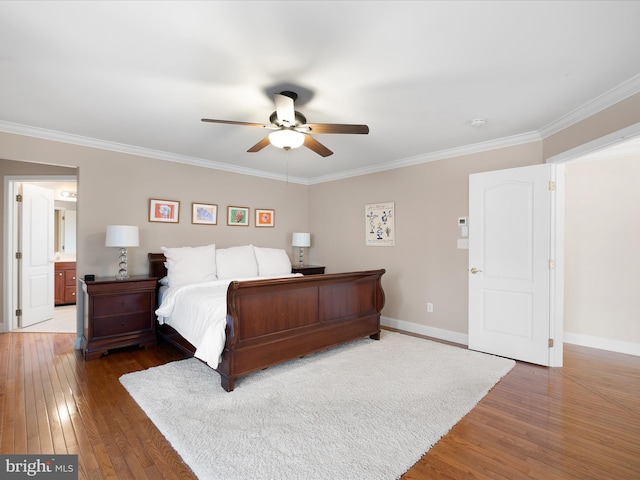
(292, 129)
(286, 138)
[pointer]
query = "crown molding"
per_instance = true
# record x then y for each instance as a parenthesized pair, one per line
(432, 157)
(62, 137)
(607, 99)
(199, 162)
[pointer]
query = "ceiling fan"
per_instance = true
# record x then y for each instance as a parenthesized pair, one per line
(291, 130)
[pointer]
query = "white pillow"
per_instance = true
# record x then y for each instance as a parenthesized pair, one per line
(236, 262)
(272, 262)
(187, 265)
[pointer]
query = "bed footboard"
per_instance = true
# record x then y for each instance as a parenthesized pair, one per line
(272, 321)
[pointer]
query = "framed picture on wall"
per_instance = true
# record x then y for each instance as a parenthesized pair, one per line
(379, 224)
(238, 216)
(265, 217)
(204, 213)
(166, 211)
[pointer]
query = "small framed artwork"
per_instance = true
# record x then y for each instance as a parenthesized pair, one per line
(204, 213)
(166, 211)
(379, 225)
(238, 216)
(265, 218)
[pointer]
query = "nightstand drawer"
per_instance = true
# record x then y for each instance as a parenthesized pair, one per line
(121, 304)
(128, 323)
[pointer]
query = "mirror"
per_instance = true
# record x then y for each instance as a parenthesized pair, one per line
(65, 230)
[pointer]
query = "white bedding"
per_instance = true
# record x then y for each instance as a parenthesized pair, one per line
(198, 312)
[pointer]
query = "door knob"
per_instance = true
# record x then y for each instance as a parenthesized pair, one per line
(474, 270)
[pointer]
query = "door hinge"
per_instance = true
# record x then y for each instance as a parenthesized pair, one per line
(18, 255)
(18, 198)
(552, 186)
(552, 264)
(551, 343)
(19, 312)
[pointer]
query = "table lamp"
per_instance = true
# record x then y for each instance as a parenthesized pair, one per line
(301, 240)
(122, 236)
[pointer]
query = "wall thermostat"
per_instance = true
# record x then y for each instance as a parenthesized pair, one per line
(462, 223)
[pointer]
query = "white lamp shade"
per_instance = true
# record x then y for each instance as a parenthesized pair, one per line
(301, 240)
(286, 138)
(122, 236)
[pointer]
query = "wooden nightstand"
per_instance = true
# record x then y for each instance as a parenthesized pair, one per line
(118, 313)
(308, 269)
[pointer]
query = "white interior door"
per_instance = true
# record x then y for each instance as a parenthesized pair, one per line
(36, 245)
(511, 235)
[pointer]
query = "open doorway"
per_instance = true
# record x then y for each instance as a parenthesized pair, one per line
(601, 301)
(57, 257)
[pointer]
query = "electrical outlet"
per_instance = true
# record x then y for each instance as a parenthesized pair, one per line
(430, 307)
(463, 243)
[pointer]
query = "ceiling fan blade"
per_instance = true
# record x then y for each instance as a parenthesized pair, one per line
(312, 144)
(260, 145)
(337, 128)
(285, 110)
(233, 122)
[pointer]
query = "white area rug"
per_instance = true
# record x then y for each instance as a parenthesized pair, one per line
(368, 409)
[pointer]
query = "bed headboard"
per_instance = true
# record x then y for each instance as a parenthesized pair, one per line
(156, 265)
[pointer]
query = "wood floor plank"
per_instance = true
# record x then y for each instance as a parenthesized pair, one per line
(31, 380)
(579, 422)
(19, 416)
(7, 396)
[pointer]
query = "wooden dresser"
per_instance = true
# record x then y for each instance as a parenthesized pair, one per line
(118, 313)
(65, 283)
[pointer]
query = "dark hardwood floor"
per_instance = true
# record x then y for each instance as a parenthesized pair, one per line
(581, 421)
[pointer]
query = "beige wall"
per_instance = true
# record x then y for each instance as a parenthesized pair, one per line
(603, 255)
(425, 265)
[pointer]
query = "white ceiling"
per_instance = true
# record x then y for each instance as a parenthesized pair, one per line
(139, 76)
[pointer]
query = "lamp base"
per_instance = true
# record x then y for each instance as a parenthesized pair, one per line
(122, 273)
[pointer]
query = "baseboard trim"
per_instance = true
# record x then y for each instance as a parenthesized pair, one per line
(617, 346)
(439, 333)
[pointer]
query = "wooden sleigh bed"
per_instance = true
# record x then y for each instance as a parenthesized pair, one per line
(270, 321)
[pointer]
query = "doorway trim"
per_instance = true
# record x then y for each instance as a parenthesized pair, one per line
(597, 148)
(11, 244)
